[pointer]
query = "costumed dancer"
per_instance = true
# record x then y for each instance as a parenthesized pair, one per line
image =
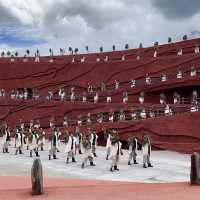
(30, 130)
(19, 141)
(146, 150)
(115, 151)
(93, 140)
(132, 142)
(108, 136)
(58, 138)
(88, 155)
(79, 138)
(6, 138)
(65, 135)
(70, 148)
(53, 143)
(33, 143)
(41, 141)
(26, 134)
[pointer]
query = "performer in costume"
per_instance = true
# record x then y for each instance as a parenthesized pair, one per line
(65, 136)
(79, 136)
(53, 143)
(111, 116)
(108, 136)
(88, 155)
(132, 143)
(115, 152)
(93, 140)
(58, 137)
(6, 138)
(65, 121)
(19, 141)
(26, 135)
(41, 141)
(70, 148)
(146, 150)
(33, 143)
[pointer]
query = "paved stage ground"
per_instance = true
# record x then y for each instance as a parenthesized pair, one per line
(168, 167)
(168, 179)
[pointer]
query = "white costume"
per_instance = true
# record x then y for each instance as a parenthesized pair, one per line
(53, 144)
(180, 52)
(19, 142)
(132, 150)
(115, 155)
(88, 154)
(109, 99)
(93, 141)
(84, 99)
(111, 117)
(5, 140)
(179, 75)
(41, 141)
(194, 108)
(143, 114)
(71, 148)
(133, 83)
(193, 73)
(108, 146)
(96, 98)
(61, 94)
(163, 78)
(168, 110)
(133, 115)
(148, 80)
(196, 50)
(155, 54)
(141, 99)
(146, 151)
(34, 143)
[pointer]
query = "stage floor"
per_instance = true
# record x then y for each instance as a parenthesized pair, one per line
(168, 167)
(19, 188)
(167, 180)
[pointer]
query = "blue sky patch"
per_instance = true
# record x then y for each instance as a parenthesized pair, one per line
(18, 41)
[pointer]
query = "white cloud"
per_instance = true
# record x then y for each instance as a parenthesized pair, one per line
(77, 23)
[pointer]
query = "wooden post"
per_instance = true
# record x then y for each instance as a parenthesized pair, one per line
(37, 177)
(195, 169)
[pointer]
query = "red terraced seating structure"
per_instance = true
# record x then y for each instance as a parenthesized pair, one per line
(178, 132)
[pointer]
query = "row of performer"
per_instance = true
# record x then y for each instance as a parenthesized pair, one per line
(76, 143)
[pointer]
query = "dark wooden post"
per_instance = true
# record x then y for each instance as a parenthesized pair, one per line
(37, 177)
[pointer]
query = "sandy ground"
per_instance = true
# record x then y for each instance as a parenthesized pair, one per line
(168, 167)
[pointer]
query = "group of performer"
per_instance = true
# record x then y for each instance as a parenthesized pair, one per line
(32, 137)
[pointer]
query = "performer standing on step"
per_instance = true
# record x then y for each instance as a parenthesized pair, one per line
(6, 138)
(108, 136)
(53, 143)
(88, 155)
(33, 143)
(132, 143)
(19, 141)
(93, 138)
(41, 141)
(58, 138)
(30, 130)
(79, 137)
(26, 134)
(146, 150)
(70, 148)
(115, 151)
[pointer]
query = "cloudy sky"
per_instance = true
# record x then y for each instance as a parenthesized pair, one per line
(32, 24)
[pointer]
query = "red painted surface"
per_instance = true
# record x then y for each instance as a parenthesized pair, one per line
(178, 133)
(18, 188)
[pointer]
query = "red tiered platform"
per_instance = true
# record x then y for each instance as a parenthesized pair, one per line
(179, 132)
